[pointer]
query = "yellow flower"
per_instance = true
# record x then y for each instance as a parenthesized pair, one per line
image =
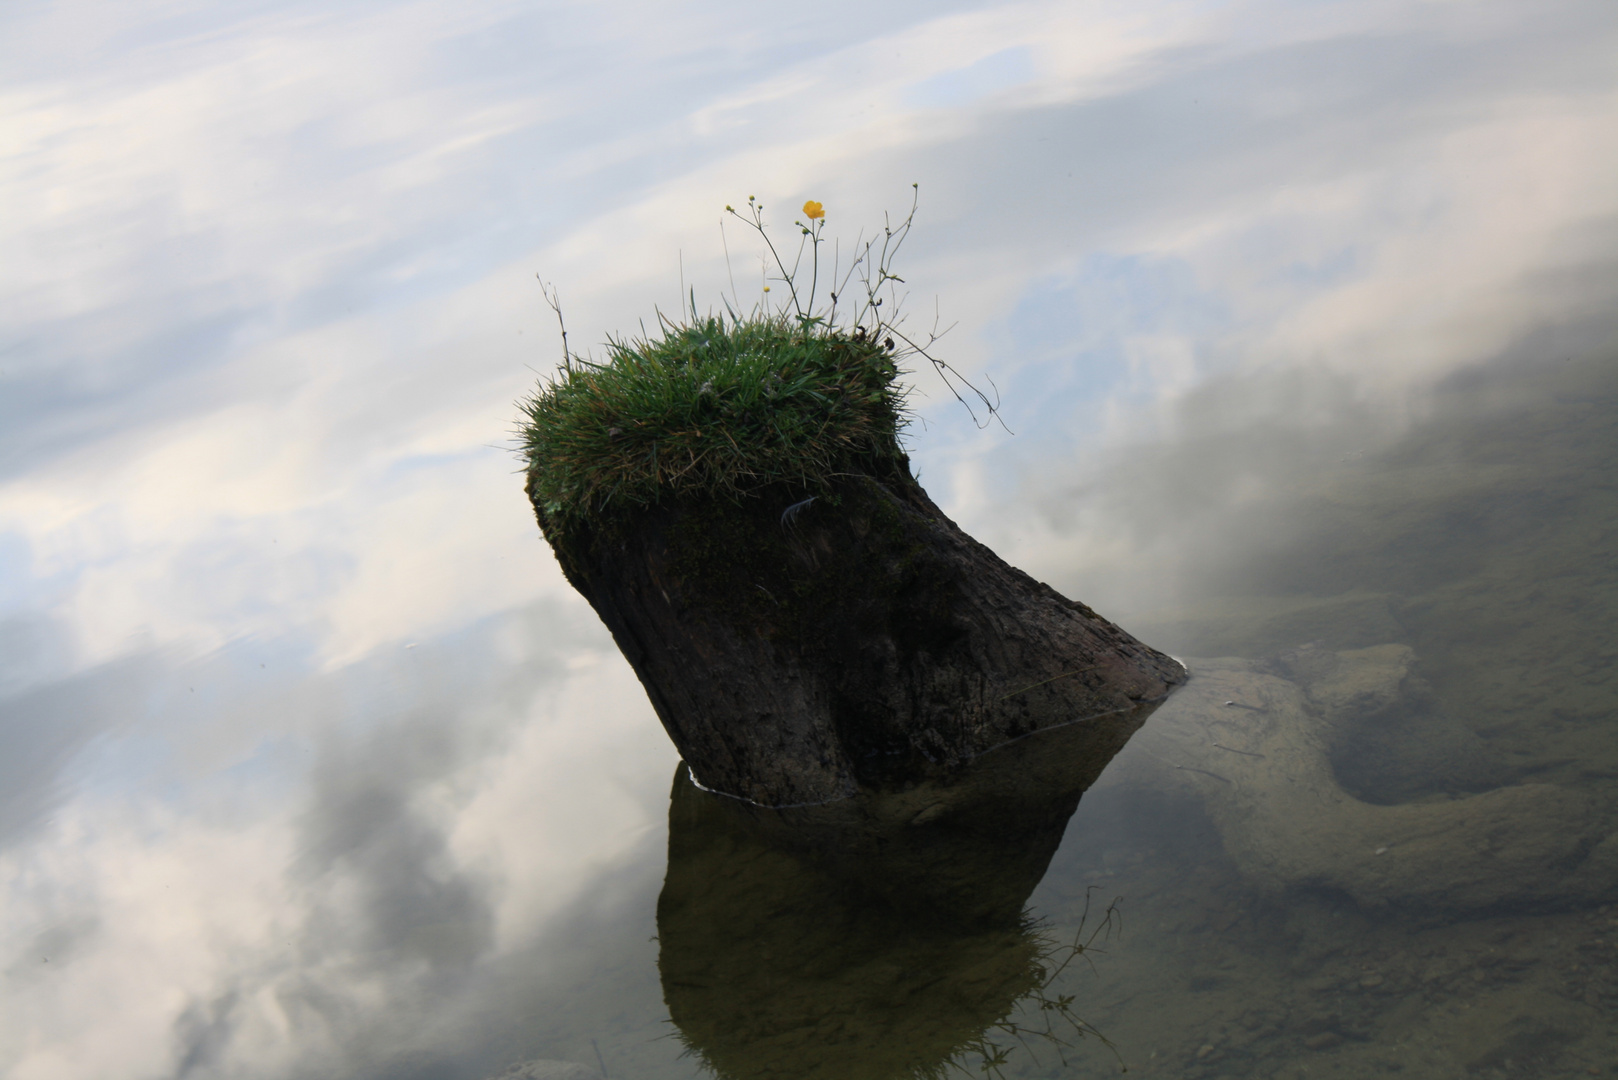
(813, 210)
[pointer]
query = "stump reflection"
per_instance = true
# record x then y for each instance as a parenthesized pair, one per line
(877, 938)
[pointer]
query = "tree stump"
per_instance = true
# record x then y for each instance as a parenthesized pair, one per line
(801, 646)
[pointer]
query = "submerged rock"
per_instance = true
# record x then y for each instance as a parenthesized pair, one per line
(1391, 740)
(800, 647)
(1254, 741)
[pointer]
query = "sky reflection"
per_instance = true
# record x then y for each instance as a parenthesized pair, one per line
(302, 730)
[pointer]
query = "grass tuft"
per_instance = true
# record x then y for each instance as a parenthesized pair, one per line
(715, 406)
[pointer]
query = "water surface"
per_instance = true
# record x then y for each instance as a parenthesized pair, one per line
(312, 765)
(1483, 541)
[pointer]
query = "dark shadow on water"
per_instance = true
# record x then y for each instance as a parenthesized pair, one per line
(878, 938)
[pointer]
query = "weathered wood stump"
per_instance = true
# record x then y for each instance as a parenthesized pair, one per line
(801, 646)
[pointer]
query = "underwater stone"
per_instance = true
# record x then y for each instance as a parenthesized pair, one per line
(802, 646)
(1255, 748)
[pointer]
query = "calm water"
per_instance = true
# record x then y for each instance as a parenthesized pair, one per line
(1485, 544)
(312, 765)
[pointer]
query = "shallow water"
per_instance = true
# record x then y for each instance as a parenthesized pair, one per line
(312, 764)
(1486, 540)
(1393, 853)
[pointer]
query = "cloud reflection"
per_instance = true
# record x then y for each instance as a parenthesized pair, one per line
(299, 889)
(274, 300)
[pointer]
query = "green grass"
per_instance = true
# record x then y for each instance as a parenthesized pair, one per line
(715, 406)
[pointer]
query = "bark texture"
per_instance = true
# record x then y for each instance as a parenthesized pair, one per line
(800, 647)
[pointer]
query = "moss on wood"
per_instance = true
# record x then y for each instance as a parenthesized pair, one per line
(717, 407)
